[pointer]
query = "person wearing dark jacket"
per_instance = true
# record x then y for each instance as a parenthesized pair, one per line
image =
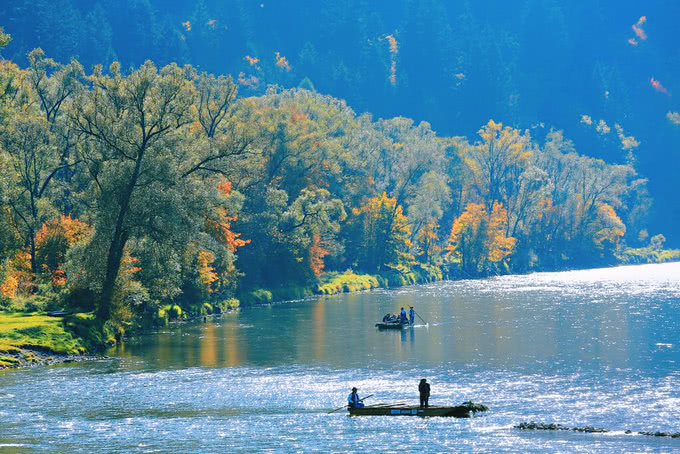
(424, 389)
(402, 317)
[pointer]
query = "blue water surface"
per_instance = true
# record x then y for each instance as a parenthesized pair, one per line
(596, 347)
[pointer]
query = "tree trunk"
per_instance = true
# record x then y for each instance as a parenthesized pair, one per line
(112, 267)
(115, 255)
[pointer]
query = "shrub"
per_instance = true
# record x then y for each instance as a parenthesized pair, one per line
(161, 317)
(346, 282)
(259, 296)
(231, 303)
(174, 312)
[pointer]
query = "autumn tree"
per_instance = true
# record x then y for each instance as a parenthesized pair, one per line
(501, 170)
(380, 235)
(478, 238)
(53, 241)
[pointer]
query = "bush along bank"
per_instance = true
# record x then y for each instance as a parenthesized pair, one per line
(396, 276)
(332, 283)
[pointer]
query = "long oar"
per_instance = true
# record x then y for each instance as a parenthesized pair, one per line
(420, 317)
(345, 406)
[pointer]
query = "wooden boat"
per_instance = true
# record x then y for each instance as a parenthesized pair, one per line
(392, 325)
(465, 410)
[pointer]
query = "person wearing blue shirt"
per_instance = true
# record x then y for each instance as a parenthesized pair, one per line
(411, 315)
(353, 400)
(402, 316)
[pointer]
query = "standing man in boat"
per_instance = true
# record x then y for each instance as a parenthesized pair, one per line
(402, 316)
(353, 400)
(424, 389)
(411, 315)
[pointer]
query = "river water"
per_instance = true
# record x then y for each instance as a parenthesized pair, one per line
(597, 347)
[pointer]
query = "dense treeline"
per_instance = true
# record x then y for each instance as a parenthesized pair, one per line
(578, 66)
(124, 192)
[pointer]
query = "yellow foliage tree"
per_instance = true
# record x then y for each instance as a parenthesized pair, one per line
(385, 233)
(497, 162)
(610, 226)
(478, 238)
(206, 272)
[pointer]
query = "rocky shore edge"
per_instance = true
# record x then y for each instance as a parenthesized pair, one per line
(587, 429)
(25, 357)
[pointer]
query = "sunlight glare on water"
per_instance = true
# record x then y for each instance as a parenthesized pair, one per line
(595, 347)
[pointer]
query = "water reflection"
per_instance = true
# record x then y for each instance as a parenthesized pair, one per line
(481, 322)
(554, 347)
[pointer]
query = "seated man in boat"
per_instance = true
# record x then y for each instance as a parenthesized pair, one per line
(411, 315)
(424, 390)
(353, 400)
(390, 318)
(402, 316)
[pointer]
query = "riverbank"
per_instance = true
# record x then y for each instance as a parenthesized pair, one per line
(334, 282)
(32, 338)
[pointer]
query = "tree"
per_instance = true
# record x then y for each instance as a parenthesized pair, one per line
(131, 130)
(478, 238)
(36, 141)
(379, 234)
(4, 38)
(497, 162)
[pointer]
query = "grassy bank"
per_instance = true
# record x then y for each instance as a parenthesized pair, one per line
(29, 338)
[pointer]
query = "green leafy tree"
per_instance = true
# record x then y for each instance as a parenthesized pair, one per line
(130, 130)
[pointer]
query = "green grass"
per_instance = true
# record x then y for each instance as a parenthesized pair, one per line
(37, 331)
(7, 361)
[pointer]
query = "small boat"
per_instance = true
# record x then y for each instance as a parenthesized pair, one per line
(465, 410)
(392, 325)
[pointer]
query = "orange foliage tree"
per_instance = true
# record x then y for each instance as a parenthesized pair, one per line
(53, 240)
(220, 227)
(316, 255)
(609, 227)
(213, 267)
(478, 238)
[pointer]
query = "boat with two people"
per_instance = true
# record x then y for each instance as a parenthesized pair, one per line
(464, 410)
(397, 321)
(392, 323)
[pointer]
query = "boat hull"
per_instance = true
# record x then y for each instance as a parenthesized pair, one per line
(392, 325)
(461, 411)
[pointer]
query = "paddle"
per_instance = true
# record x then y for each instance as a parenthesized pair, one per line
(345, 406)
(420, 317)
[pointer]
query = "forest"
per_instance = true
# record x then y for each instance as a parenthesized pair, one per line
(142, 194)
(604, 72)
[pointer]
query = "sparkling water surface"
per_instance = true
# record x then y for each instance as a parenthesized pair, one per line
(596, 347)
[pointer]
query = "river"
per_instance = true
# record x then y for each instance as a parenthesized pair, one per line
(597, 347)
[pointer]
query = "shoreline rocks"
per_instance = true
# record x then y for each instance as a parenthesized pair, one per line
(587, 429)
(19, 358)
(542, 426)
